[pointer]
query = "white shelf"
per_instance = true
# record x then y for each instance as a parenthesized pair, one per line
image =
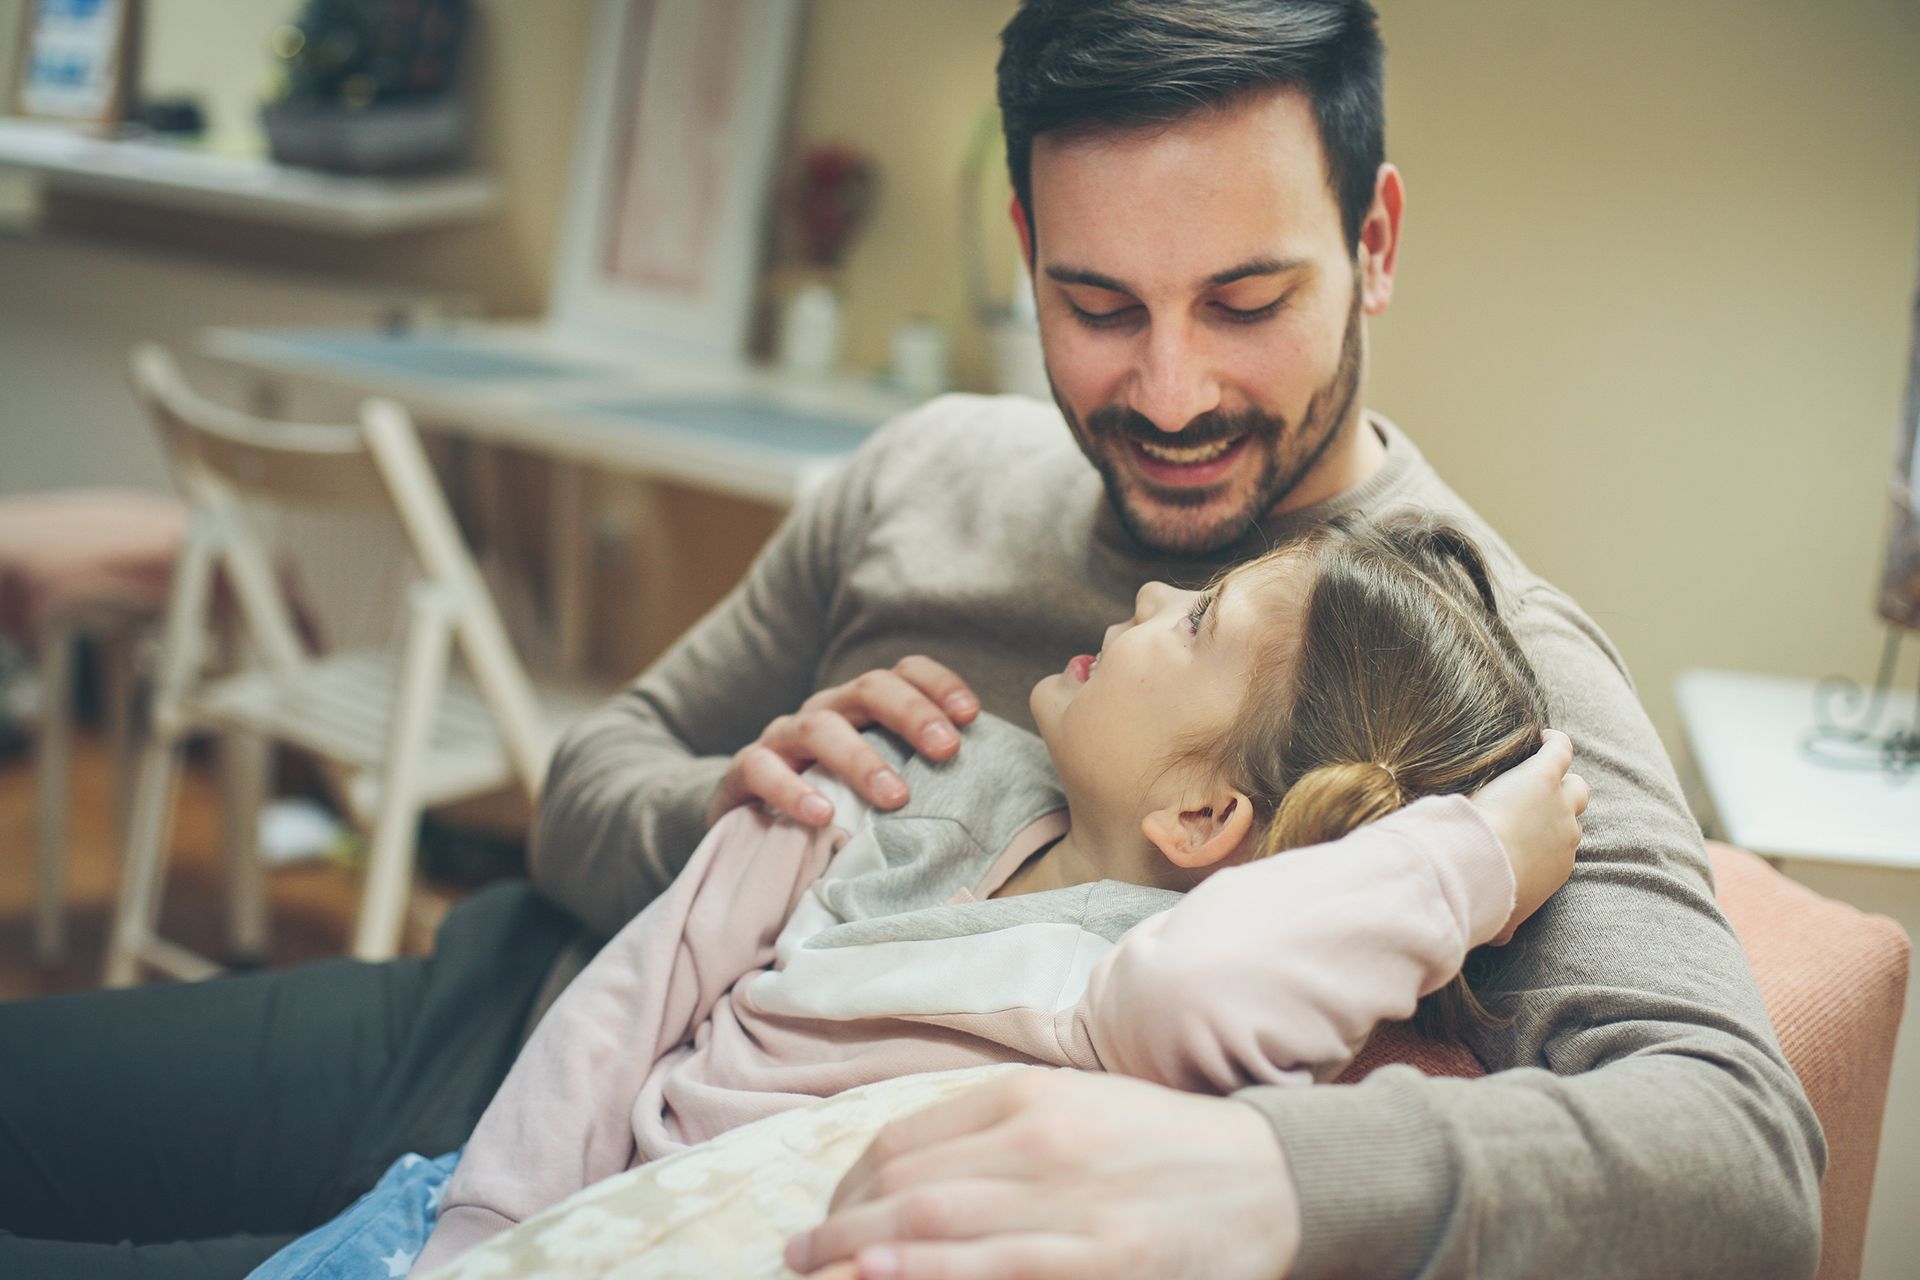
(250, 188)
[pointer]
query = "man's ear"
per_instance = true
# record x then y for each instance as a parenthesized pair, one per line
(1203, 830)
(1022, 229)
(1380, 240)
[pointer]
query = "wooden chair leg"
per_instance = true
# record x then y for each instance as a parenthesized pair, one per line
(143, 868)
(53, 767)
(423, 670)
(245, 764)
(118, 670)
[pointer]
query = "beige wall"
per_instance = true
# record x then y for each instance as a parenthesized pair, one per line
(1652, 310)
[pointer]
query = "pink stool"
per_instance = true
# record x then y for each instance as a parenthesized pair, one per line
(77, 563)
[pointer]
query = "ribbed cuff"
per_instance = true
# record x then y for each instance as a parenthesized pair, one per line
(1371, 1171)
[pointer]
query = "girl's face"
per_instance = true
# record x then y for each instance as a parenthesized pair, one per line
(1177, 670)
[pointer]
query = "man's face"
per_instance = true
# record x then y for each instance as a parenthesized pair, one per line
(1200, 313)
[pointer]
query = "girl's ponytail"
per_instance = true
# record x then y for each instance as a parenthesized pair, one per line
(1330, 800)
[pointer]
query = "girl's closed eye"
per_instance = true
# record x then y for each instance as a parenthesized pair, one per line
(1198, 612)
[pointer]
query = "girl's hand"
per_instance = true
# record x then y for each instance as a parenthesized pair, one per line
(1535, 809)
(917, 698)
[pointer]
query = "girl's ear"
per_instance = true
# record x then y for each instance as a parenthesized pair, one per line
(1202, 834)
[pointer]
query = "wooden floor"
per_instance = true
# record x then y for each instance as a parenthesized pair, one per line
(312, 904)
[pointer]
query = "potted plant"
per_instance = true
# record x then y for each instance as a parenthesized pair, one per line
(370, 86)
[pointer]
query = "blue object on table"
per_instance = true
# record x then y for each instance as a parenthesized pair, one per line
(748, 421)
(427, 356)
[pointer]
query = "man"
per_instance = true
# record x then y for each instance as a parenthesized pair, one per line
(1202, 192)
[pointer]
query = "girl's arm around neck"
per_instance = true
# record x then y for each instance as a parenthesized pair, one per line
(1275, 972)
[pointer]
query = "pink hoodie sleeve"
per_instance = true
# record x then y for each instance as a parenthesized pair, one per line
(561, 1119)
(1276, 972)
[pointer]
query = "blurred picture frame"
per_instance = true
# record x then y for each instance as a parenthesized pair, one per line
(680, 127)
(78, 60)
(1900, 581)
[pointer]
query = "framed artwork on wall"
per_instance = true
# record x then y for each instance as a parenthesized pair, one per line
(78, 60)
(680, 127)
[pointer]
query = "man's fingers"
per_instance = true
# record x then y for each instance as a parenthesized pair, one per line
(954, 695)
(891, 699)
(971, 1112)
(956, 1209)
(1008, 1149)
(1051, 1256)
(836, 746)
(1057, 1257)
(764, 774)
(917, 698)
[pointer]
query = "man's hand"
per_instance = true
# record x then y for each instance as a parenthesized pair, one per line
(1063, 1174)
(918, 699)
(1535, 809)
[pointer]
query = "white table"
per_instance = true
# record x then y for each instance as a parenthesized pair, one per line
(1748, 736)
(733, 429)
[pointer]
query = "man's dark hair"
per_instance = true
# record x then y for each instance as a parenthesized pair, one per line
(1094, 64)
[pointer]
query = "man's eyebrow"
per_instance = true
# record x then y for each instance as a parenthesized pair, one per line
(1263, 266)
(1092, 279)
(1255, 267)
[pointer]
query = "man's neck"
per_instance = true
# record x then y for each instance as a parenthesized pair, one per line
(1355, 457)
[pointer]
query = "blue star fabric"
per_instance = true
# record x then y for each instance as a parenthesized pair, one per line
(378, 1236)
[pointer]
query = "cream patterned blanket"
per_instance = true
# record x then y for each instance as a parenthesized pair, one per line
(722, 1209)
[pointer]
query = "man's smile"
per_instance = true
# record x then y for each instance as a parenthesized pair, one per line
(1176, 466)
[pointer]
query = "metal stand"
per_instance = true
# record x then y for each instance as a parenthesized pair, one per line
(1864, 743)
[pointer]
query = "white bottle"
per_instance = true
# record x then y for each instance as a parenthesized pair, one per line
(810, 331)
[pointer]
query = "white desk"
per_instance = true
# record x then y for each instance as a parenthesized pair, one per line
(742, 431)
(1747, 734)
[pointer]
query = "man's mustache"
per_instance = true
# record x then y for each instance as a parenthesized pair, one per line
(1120, 422)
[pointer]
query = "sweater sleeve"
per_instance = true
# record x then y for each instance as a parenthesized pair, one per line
(626, 795)
(1276, 972)
(1639, 1121)
(561, 1120)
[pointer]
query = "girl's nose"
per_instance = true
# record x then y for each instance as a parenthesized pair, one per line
(1151, 598)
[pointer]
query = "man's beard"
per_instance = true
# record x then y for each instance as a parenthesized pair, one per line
(1289, 453)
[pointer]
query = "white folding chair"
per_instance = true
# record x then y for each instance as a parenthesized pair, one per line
(399, 729)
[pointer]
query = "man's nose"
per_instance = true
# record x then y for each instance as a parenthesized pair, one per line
(1175, 382)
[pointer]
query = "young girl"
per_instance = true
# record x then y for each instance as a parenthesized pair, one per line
(1016, 910)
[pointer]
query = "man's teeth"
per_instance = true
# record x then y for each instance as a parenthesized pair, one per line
(1190, 456)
